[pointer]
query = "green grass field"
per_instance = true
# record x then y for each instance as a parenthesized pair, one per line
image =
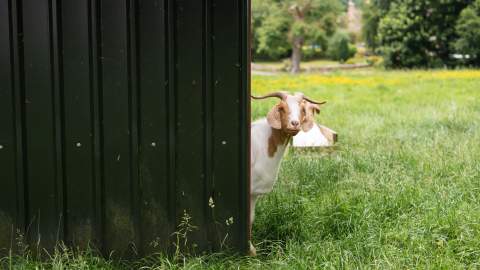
(401, 192)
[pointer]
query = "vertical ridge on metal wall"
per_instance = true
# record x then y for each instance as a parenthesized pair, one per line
(209, 187)
(95, 74)
(230, 111)
(190, 152)
(8, 211)
(133, 86)
(16, 30)
(119, 223)
(57, 113)
(172, 112)
(42, 180)
(79, 95)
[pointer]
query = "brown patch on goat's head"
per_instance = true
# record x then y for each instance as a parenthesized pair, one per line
(288, 117)
(278, 116)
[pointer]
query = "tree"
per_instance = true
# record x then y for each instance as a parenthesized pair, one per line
(288, 25)
(468, 31)
(413, 33)
(373, 12)
(310, 19)
(270, 29)
(340, 48)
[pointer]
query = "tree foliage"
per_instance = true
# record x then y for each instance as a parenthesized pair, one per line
(339, 47)
(371, 15)
(413, 33)
(468, 31)
(270, 29)
(281, 26)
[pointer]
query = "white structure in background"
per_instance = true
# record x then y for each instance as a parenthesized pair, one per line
(314, 137)
(318, 136)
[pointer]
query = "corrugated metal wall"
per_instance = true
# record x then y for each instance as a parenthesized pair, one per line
(116, 117)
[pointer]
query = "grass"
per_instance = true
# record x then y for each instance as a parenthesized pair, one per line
(402, 191)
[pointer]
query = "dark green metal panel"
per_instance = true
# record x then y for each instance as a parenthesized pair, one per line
(78, 123)
(157, 221)
(190, 127)
(12, 203)
(121, 117)
(7, 132)
(117, 90)
(229, 101)
(42, 185)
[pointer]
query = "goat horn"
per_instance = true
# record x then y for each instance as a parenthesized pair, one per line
(314, 102)
(279, 95)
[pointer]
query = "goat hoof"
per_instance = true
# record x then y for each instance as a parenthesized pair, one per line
(252, 251)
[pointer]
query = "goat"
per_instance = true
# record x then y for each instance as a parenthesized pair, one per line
(269, 139)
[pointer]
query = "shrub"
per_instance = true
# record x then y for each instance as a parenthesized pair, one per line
(350, 61)
(311, 52)
(352, 50)
(339, 47)
(468, 30)
(286, 64)
(374, 60)
(354, 38)
(271, 36)
(419, 33)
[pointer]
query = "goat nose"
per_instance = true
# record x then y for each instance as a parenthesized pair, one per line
(295, 123)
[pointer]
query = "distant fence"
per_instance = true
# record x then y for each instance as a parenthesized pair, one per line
(120, 117)
(268, 68)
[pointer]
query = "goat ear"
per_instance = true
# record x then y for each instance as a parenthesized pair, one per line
(274, 118)
(310, 116)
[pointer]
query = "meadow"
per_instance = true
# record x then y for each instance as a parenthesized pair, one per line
(401, 191)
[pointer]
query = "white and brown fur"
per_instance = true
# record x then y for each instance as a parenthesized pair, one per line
(269, 139)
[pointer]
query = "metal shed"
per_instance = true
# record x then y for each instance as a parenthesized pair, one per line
(118, 117)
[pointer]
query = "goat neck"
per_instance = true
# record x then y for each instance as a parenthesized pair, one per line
(277, 137)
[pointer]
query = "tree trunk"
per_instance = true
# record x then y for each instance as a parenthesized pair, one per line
(297, 45)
